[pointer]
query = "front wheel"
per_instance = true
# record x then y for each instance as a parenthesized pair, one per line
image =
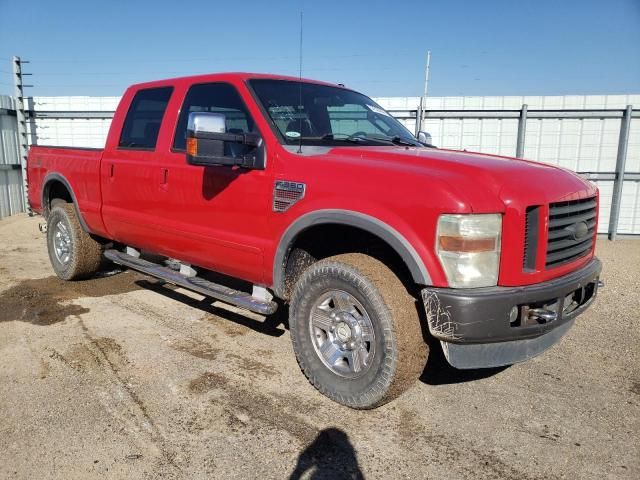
(356, 331)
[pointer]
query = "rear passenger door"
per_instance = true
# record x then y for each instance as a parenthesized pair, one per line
(133, 193)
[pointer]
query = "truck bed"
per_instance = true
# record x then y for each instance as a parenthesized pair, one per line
(81, 167)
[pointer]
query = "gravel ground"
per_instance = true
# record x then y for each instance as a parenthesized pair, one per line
(122, 377)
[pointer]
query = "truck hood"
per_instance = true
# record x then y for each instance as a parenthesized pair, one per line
(484, 182)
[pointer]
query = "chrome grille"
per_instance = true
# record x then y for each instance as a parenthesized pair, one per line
(571, 230)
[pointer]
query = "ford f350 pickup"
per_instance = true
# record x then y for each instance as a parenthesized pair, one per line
(312, 195)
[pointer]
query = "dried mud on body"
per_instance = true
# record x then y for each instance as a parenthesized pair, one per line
(46, 301)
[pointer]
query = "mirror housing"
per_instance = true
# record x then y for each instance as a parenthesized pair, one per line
(208, 143)
(425, 138)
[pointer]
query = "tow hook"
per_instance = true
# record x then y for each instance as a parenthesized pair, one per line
(600, 284)
(42, 227)
(543, 314)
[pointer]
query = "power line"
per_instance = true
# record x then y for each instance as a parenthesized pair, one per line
(199, 59)
(182, 72)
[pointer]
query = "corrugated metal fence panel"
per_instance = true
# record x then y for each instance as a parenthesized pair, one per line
(606, 193)
(7, 102)
(629, 221)
(11, 198)
(8, 134)
(588, 145)
(73, 132)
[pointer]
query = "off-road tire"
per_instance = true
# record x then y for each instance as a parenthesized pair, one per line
(401, 351)
(85, 254)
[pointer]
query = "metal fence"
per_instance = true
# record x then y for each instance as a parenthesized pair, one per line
(611, 181)
(594, 136)
(11, 191)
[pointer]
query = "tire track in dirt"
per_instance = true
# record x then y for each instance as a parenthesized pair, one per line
(103, 355)
(469, 461)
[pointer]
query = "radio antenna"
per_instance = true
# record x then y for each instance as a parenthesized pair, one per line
(300, 89)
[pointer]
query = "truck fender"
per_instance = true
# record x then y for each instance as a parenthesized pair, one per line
(46, 185)
(370, 224)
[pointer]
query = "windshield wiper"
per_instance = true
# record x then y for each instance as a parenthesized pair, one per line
(360, 139)
(398, 140)
(341, 137)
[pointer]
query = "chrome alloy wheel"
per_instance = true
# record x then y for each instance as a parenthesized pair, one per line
(62, 243)
(342, 334)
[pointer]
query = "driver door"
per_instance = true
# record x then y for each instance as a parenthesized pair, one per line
(220, 212)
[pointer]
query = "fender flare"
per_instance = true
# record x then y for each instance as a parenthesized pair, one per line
(46, 185)
(365, 222)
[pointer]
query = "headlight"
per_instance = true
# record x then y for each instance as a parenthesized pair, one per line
(468, 247)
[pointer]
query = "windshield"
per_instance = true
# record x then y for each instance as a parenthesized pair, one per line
(313, 114)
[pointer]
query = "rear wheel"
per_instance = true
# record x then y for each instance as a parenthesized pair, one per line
(72, 251)
(356, 331)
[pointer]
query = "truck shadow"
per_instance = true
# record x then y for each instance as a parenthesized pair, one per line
(439, 372)
(436, 372)
(330, 456)
(273, 325)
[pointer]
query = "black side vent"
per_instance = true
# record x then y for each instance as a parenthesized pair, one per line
(531, 233)
(286, 193)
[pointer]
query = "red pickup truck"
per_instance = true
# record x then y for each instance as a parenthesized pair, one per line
(312, 195)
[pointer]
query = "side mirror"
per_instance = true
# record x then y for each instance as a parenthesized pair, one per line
(425, 138)
(209, 144)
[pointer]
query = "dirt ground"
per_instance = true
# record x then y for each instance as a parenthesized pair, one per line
(122, 377)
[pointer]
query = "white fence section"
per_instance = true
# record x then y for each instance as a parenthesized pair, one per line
(584, 145)
(587, 145)
(72, 121)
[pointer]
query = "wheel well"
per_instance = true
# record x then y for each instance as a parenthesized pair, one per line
(55, 189)
(326, 240)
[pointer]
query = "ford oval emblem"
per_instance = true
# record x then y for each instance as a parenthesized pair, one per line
(579, 230)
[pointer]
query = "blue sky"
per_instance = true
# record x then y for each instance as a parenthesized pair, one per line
(484, 47)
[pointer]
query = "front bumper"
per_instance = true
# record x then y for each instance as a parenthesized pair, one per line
(475, 327)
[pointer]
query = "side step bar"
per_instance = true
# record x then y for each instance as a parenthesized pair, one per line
(196, 284)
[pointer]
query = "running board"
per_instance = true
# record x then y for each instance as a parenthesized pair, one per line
(196, 284)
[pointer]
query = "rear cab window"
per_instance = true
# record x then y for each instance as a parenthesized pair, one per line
(143, 120)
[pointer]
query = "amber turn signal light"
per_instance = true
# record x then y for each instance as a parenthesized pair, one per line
(471, 245)
(192, 146)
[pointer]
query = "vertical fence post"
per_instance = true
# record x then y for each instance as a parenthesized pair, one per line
(522, 128)
(22, 125)
(621, 161)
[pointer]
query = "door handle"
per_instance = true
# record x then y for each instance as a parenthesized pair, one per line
(111, 170)
(164, 179)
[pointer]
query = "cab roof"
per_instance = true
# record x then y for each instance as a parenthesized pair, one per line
(227, 76)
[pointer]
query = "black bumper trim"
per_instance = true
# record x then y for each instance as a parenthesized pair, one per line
(490, 355)
(481, 315)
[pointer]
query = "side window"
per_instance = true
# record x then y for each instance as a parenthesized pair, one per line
(142, 124)
(217, 98)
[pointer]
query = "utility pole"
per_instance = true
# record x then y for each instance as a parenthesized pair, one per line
(423, 100)
(23, 143)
